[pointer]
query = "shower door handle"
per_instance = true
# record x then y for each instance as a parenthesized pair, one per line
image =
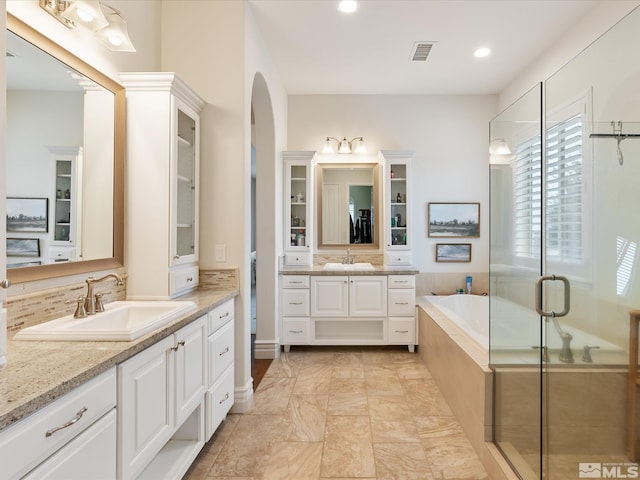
(567, 295)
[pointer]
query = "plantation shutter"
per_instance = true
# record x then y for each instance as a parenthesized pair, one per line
(564, 194)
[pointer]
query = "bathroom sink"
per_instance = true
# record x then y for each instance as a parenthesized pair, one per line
(121, 322)
(349, 266)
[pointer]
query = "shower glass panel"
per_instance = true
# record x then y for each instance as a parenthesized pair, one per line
(592, 232)
(515, 335)
(565, 205)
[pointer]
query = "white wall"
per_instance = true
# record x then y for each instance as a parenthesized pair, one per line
(449, 135)
(601, 18)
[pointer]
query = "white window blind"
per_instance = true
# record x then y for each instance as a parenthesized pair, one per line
(564, 194)
(564, 191)
(527, 191)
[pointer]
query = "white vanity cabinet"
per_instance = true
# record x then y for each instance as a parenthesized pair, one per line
(402, 311)
(332, 309)
(220, 366)
(397, 206)
(163, 138)
(294, 308)
(161, 406)
(73, 437)
(67, 201)
(298, 207)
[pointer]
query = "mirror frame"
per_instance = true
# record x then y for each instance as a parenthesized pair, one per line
(28, 274)
(376, 202)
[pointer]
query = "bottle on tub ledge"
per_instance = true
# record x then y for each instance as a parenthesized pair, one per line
(469, 280)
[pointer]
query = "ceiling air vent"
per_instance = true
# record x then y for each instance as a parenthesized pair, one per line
(421, 51)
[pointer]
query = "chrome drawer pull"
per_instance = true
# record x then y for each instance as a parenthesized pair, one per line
(295, 331)
(190, 279)
(297, 281)
(226, 350)
(226, 397)
(400, 281)
(68, 424)
(180, 344)
(225, 315)
(402, 303)
(295, 303)
(402, 331)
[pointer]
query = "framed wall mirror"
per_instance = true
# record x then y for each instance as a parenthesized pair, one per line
(65, 143)
(347, 205)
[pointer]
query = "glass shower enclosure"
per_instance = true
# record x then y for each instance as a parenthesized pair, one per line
(564, 267)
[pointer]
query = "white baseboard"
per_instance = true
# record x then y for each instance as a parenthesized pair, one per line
(267, 349)
(243, 398)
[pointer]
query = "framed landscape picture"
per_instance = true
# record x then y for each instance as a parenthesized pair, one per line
(27, 215)
(23, 247)
(453, 252)
(461, 220)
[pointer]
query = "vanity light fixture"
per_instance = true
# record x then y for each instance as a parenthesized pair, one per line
(344, 145)
(499, 152)
(110, 29)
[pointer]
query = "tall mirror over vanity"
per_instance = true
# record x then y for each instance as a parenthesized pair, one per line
(64, 161)
(347, 205)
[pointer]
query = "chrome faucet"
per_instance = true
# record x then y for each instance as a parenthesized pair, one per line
(349, 259)
(93, 303)
(566, 355)
(586, 353)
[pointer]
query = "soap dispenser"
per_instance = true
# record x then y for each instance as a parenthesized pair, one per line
(469, 280)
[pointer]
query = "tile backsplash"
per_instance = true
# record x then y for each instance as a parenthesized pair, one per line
(25, 310)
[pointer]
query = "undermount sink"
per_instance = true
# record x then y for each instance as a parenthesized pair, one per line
(349, 266)
(120, 322)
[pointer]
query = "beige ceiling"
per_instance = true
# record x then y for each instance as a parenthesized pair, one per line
(318, 50)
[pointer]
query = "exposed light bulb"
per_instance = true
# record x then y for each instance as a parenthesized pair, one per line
(348, 6)
(84, 15)
(482, 52)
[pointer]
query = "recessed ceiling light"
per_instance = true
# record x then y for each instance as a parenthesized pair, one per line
(482, 52)
(348, 6)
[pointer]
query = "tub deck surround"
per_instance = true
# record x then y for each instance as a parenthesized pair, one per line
(38, 372)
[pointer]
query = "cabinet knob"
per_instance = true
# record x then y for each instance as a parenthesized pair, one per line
(5, 283)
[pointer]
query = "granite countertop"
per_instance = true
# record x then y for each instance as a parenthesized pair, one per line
(379, 270)
(38, 372)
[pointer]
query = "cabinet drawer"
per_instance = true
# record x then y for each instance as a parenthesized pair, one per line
(302, 258)
(92, 454)
(295, 331)
(220, 315)
(183, 279)
(402, 331)
(402, 281)
(25, 444)
(295, 281)
(220, 352)
(398, 258)
(295, 302)
(401, 302)
(218, 401)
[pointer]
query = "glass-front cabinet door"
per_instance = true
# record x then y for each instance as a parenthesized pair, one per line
(185, 187)
(397, 207)
(298, 201)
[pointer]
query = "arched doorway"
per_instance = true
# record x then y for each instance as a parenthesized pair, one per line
(263, 229)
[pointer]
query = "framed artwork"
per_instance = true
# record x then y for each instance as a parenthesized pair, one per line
(453, 252)
(23, 247)
(454, 220)
(27, 215)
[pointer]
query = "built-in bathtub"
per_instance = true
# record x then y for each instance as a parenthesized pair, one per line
(454, 343)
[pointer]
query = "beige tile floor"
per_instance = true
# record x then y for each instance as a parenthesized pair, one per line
(342, 413)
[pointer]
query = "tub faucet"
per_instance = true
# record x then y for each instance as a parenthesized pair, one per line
(90, 304)
(566, 355)
(586, 353)
(349, 259)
